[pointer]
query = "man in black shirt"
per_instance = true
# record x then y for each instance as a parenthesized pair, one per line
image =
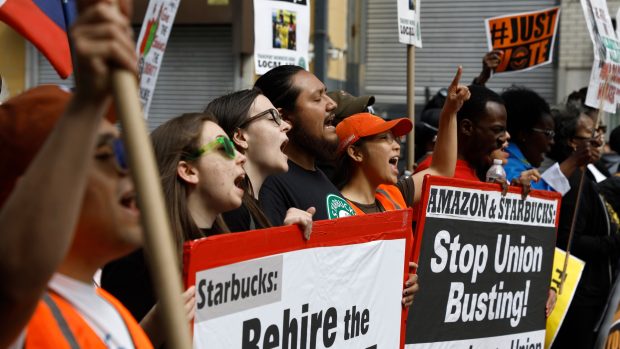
(301, 98)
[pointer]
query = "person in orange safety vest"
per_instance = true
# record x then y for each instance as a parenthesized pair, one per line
(67, 202)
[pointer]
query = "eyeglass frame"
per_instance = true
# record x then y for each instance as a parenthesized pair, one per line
(275, 117)
(118, 153)
(225, 142)
(547, 132)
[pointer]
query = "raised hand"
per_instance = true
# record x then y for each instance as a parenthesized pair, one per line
(103, 41)
(491, 60)
(457, 94)
(585, 153)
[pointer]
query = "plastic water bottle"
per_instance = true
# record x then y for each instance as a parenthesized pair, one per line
(496, 171)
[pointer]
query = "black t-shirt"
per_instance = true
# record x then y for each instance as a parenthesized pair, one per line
(302, 189)
(239, 219)
(128, 280)
(407, 188)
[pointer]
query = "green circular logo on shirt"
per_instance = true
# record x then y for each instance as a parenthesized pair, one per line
(338, 207)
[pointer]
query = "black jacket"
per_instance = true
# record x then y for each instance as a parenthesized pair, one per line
(596, 240)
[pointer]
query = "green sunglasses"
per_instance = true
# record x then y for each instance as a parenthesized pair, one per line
(220, 143)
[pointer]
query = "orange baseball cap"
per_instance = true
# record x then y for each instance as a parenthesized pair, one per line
(25, 122)
(357, 126)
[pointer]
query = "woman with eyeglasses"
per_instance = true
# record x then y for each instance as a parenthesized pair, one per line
(258, 132)
(369, 149)
(596, 239)
(202, 176)
(531, 127)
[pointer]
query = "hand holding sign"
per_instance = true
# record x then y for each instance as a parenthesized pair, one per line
(301, 218)
(526, 39)
(490, 61)
(551, 299)
(411, 286)
(153, 327)
(525, 181)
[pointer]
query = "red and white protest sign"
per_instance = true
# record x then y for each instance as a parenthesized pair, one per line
(272, 289)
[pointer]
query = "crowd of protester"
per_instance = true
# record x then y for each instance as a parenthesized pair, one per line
(253, 159)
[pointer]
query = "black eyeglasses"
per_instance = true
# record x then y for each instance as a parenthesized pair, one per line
(548, 132)
(274, 115)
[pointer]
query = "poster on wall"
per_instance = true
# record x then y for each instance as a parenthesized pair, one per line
(151, 46)
(281, 33)
(270, 288)
(486, 262)
(604, 86)
(527, 39)
(409, 22)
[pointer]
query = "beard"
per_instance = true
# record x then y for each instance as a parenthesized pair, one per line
(322, 149)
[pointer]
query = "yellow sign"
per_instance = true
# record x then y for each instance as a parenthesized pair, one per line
(573, 274)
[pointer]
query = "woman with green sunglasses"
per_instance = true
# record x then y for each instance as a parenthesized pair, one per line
(259, 132)
(202, 176)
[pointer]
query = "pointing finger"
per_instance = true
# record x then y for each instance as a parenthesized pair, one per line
(457, 78)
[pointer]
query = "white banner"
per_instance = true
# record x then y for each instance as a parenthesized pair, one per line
(151, 46)
(290, 299)
(409, 22)
(490, 207)
(604, 86)
(281, 33)
(618, 23)
(512, 341)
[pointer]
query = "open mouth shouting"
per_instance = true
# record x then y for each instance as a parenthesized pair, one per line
(283, 145)
(393, 161)
(329, 122)
(129, 203)
(239, 182)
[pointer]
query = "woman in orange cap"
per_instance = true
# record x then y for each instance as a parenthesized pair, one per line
(370, 150)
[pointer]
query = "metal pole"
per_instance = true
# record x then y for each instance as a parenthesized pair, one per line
(320, 39)
(411, 103)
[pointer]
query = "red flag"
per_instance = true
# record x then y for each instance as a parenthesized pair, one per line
(42, 23)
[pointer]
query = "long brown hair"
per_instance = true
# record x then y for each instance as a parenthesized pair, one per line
(231, 111)
(173, 141)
